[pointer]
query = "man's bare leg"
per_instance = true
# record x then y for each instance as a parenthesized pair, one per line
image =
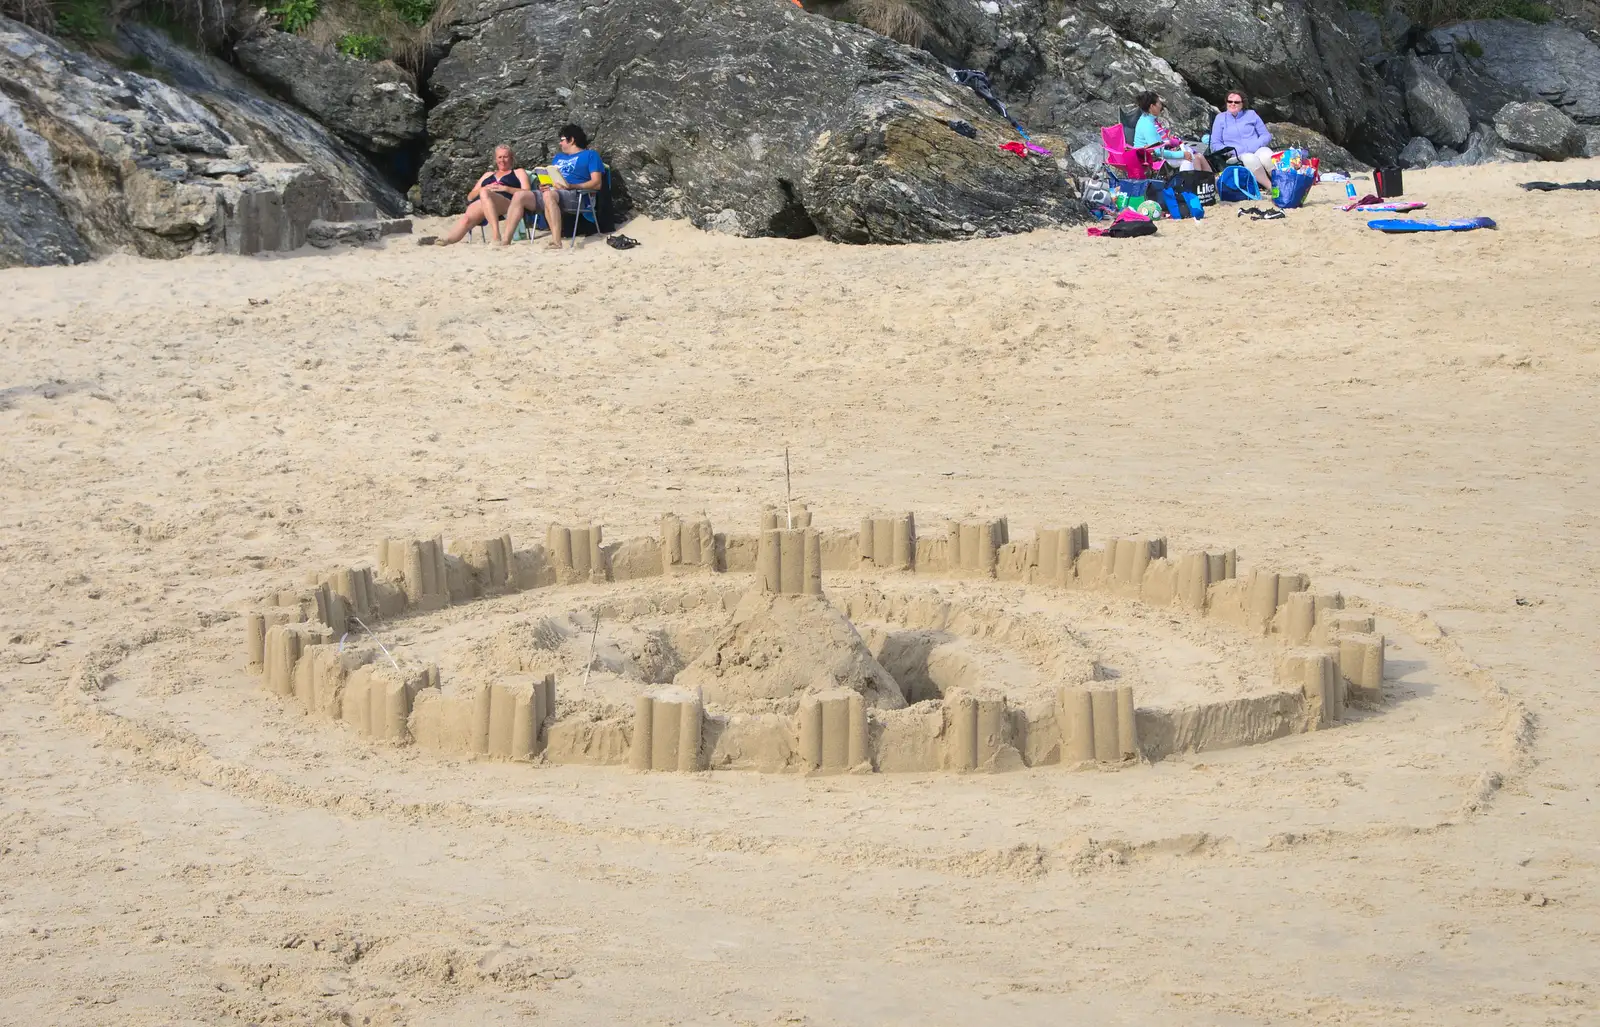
(552, 216)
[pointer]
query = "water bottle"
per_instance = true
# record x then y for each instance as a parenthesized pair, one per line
(1350, 189)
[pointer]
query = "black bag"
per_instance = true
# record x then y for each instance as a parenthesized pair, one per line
(1129, 229)
(1202, 183)
(1389, 181)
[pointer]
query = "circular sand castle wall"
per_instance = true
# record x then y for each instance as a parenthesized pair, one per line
(957, 649)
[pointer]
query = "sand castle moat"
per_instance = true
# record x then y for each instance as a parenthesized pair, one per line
(798, 649)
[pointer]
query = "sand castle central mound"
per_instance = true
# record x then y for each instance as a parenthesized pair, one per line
(778, 647)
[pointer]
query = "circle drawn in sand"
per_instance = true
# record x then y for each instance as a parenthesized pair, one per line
(960, 650)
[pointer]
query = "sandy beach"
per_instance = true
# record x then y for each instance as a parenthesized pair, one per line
(1409, 419)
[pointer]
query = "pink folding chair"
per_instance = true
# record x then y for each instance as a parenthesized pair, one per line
(1126, 161)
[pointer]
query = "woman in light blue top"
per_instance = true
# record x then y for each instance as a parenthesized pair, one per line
(1150, 132)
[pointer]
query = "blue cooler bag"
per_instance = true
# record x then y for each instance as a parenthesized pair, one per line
(1292, 186)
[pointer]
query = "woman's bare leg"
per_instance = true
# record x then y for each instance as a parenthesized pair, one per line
(469, 220)
(514, 211)
(495, 205)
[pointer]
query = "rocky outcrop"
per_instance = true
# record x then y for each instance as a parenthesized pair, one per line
(755, 120)
(1434, 110)
(269, 129)
(1064, 71)
(1536, 127)
(1418, 153)
(1300, 62)
(192, 164)
(1519, 61)
(34, 230)
(1484, 146)
(369, 105)
(136, 164)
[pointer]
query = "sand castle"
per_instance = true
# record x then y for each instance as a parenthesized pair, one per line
(883, 670)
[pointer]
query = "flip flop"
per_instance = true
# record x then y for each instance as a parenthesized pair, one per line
(621, 242)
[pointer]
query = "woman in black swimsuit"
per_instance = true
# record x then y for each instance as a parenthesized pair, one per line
(488, 200)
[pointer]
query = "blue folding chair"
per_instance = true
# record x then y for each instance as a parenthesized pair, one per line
(589, 210)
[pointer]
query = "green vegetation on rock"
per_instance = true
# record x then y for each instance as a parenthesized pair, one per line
(295, 15)
(362, 46)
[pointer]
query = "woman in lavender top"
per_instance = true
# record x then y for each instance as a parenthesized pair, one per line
(1247, 134)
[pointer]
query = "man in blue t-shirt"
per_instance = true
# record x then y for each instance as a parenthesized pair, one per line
(575, 169)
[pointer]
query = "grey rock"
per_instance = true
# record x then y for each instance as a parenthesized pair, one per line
(758, 120)
(1066, 72)
(1368, 34)
(354, 210)
(262, 127)
(1333, 157)
(1538, 128)
(1418, 153)
(325, 234)
(1521, 61)
(1434, 111)
(1397, 25)
(34, 230)
(1484, 146)
(194, 163)
(370, 105)
(1301, 62)
(1591, 140)
(1445, 155)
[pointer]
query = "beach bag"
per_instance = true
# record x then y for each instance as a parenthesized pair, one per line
(1181, 204)
(1131, 229)
(1202, 183)
(1236, 184)
(1389, 181)
(1292, 186)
